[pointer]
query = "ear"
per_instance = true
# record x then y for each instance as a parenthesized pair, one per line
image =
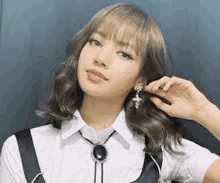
(140, 82)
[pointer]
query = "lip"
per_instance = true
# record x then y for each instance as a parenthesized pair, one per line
(96, 73)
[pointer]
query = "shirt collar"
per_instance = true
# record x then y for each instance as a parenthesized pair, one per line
(72, 126)
(122, 127)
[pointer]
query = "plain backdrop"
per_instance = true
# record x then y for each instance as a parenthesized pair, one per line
(35, 33)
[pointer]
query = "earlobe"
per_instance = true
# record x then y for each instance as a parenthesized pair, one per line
(139, 85)
(140, 82)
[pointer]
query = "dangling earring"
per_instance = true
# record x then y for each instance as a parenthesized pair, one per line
(137, 99)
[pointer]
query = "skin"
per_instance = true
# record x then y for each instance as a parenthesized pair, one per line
(188, 102)
(102, 102)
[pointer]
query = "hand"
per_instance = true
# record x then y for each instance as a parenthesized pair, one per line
(186, 100)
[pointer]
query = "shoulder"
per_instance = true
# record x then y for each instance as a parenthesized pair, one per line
(11, 164)
(44, 136)
(41, 133)
(45, 132)
(189, 167)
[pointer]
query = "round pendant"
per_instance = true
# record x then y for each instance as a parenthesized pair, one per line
(99, 153)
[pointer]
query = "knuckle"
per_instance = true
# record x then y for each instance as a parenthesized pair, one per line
(174, 78)
(189, 82)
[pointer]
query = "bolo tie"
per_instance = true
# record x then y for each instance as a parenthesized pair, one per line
(99, 154)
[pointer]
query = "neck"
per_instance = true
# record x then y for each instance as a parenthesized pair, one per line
(100, 113)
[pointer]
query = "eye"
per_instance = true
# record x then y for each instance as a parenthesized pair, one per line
(94, 42)
(126, 55)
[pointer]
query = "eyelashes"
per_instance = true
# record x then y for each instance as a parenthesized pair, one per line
(94, 41)
(125, 55)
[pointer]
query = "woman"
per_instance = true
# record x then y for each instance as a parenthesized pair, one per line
(111, 112)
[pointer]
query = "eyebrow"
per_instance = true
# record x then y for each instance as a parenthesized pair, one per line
(100, 33)
(121, 43)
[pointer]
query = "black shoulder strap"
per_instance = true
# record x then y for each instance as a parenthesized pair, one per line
(28, 156)
(150, 171)
(31, 166)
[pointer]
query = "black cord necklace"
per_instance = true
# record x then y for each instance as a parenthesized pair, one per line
(99, 154)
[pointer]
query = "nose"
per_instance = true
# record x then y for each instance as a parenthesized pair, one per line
(103, 57)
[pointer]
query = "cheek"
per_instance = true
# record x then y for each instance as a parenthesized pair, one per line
(84, 60)
(84, 56)
(126, 72)
(124, 79)
(81, 66)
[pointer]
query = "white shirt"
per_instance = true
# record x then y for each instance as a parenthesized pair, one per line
(64, 155)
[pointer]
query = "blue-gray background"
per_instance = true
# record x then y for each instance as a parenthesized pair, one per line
(35, 33)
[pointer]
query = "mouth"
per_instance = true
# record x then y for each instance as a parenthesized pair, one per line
(98, 74)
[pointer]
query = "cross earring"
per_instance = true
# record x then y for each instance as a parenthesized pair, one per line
(137, 99)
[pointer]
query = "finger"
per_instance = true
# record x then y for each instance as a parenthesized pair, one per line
(161, 93)
(160, 83)
(168, 84)
(174, 80)
(150, 86)
(161, 105)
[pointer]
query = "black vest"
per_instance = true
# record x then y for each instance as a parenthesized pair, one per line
(31, 166)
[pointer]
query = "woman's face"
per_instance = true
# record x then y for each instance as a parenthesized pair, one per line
(119, 64)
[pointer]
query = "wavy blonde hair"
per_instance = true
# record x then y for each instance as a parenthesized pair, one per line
(127, 24)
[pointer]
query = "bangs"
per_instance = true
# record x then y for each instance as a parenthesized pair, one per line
(123, 31)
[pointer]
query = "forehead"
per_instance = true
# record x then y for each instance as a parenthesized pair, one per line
(117, 41)
(123, 31)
